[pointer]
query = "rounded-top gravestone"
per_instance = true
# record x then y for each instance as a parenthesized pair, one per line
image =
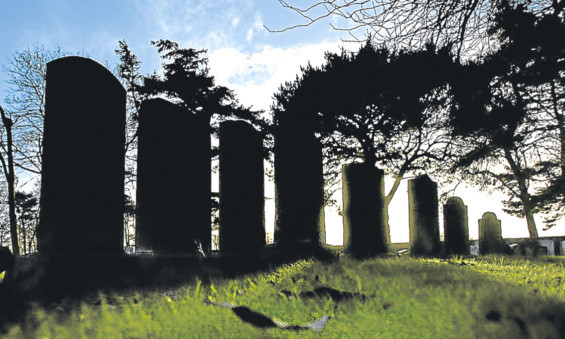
(456, 226)
(490, 234)
(82, 179)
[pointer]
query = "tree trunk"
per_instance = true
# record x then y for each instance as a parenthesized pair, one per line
(524, 195)
(388, 198)
(10, 178)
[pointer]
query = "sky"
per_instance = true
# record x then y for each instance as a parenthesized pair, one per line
(242, 55)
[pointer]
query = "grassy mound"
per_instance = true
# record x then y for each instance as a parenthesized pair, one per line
(385, 298)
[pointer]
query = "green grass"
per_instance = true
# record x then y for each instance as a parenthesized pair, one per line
(404, 298)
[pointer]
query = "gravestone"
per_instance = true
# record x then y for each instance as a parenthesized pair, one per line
(82, 180)
(456, 227)
(423, 216)
(549, 245)
(173, 180)
(299, 184)
(490, 234)
(562, 248)
(242, 201)
(474, 247)
(363, 210)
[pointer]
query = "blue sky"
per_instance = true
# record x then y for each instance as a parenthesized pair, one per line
(242, 55)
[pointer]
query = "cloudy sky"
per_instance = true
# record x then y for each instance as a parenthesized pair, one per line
(242, 54)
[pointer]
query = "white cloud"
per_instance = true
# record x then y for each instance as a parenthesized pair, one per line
(256, 77)
(249, 34)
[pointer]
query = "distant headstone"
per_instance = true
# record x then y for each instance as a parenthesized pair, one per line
(423, 216)
(549, 245)
(299, 184)
(363, 210)
(562, 248)
(173, 180)
(490, 234)
(456, 226)
(242, 197)
(82, 180)
(474, 248)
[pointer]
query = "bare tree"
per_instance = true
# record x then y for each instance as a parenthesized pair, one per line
(7, 161)
(412, 23)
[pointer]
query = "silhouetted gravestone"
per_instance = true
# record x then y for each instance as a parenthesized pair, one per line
(299, 184)
(82, 180)
(423, 216)
(363, 210)
(173, 185)
(549, 245)
(242, 196)
(456, 226)
(490, 234)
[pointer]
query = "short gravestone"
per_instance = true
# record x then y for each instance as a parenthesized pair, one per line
(423, 216)
(456, 227)
(242, 198)
(363, 210)
(173, 182)
(490, 234)
(299, 184)
(562, 248)
(474, 248)
(82, 179)
(549, 245)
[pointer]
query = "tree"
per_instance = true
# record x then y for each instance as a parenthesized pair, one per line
(513, 125)
(186, 82)
(7, 161)
(373, 105)
(413, 23)
(28, 215)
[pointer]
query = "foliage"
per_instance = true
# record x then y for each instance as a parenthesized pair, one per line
(412, 23)
(509, 106)
(27, 210)
(373, 105)
(406, 297)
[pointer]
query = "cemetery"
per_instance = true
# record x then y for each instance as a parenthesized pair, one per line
(152, 190)
(80, 235)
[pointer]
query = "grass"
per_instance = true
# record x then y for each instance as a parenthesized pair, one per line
(490, 297)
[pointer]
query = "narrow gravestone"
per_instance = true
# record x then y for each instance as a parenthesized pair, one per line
(549, 245)
(299, 184)
(363, 210)
(173, 186)
(490, 234)
(242, 201)
(456, 227)
(562, 248)
(423, 216)
(82, 180)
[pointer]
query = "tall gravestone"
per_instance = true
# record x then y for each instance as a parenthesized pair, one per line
(363, 210)
(242, 197)
(82, 180)
(423, 216)
(299, 184)
(490, 234)
(456, 227)
(173, 179)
